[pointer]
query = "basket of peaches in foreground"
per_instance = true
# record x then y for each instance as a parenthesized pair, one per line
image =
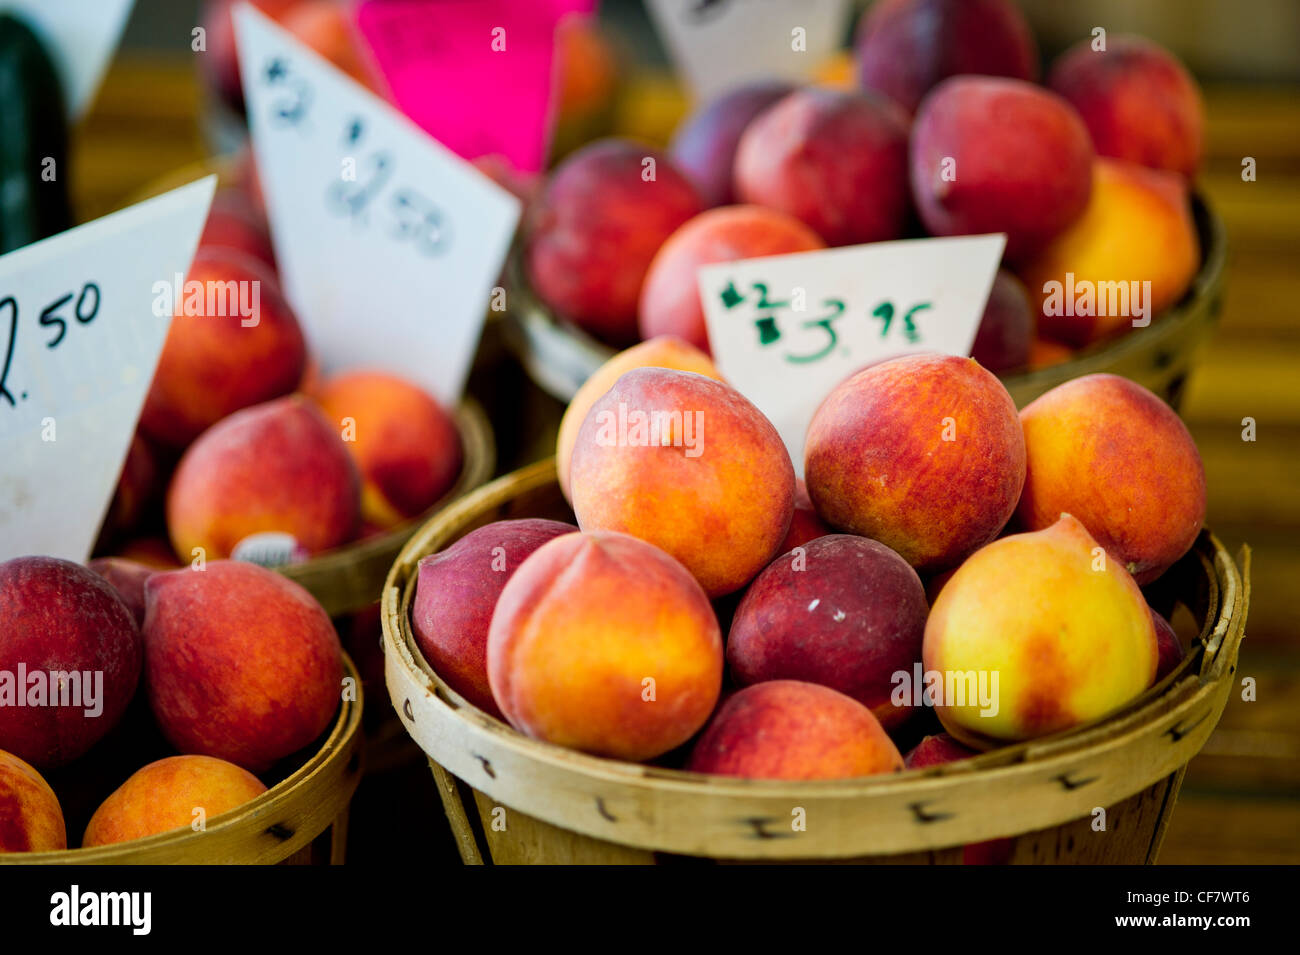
(955, 642)
(206, 715)
(1113, 262)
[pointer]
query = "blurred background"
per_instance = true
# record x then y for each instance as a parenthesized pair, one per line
(1240, 801)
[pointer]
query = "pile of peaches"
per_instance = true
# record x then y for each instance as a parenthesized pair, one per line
(153, 701)
(946, 132)
(944, 556)
(240, 437)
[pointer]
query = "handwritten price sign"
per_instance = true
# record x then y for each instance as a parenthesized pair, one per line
(79, 341)
(388, 244)
(786, 329)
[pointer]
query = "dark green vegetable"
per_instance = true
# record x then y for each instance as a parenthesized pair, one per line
(33, 130)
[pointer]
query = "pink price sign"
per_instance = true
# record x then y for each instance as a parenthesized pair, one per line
(477, 75)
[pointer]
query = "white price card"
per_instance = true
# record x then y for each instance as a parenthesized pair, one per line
(83, 317)
(786, 329)
(718, 44)
(389, 244)
(80, 35)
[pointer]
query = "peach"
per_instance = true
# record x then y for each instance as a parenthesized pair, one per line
(1115, 456)
(1171, 651)
(1006, 330)
(1065, 633)
(236, 344)
(594, 229)
(662, 351)
(784, 729)
(234, 223)
(935, 751)
(240, 663)
(603, 643)
(922, 453)
(127, 579)
(172, 793)
(405, 445)
(1132, 254)
(1138, 101)
(835, 159)
(31, 819)
(704, 145)
(586, 81)
(905, 47)
(849, 613)
(805, 525)
(686, 463)
(999, 155)
(278, 467)
(70, 657)
(457, 590)
(670, 297)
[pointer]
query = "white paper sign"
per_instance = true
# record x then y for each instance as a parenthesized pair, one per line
(80, 35)
(718, 44)
(786, 329)
(388, 244)
(79, 340)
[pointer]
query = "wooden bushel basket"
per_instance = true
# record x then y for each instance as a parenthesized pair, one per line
(513, 799)
(559, 356)
(301, 820)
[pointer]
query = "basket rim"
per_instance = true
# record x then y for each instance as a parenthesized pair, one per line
(251, 816)
(407, 670)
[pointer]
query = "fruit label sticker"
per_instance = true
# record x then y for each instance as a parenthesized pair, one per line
(786, 329)
(80, 35)
(83, 317)
(718, 44)
(388, 244)
(475, 74)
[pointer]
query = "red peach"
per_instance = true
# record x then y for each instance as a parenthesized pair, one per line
(999, 155)
(922, 453)
(849, 613)
(936, 750)
(278, 467)
(594, 229)
(406, 447)
(713, 486)
(241, 663)
(456, 592)
(171, 794)
(31, 819)
(606, 644)
(1115, 456)
(1170, 648)
(1006, 330)
(69, 632)
(127, 579)
(1138, 101)
(784, 729)
(905, 47)
(216, 360)
(835, 159)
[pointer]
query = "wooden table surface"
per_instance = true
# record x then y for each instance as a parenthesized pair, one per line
(1241, 798)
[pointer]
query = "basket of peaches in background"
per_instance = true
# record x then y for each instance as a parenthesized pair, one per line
(973, 635)
(1113, 262)
(206, 715)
